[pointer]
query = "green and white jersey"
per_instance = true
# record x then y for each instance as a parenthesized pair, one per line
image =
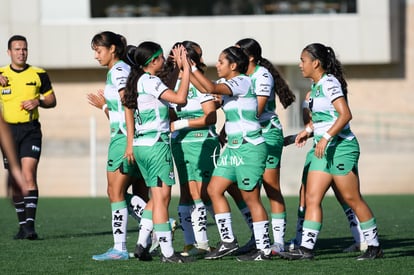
(240, 110)
(263, 84)
(193, 109)
(324, 114)
(116, 80)
(152, 117)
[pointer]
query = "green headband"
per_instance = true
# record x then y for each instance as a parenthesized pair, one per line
(155, 55)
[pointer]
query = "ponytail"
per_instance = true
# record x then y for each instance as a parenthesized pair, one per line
(329, 63)
(253, 49)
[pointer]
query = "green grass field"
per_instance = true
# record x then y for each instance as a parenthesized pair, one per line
(71, 230)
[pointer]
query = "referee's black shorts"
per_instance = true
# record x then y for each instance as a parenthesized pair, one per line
(28, 140)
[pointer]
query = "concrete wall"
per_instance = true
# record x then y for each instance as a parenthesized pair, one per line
(381, 95)
(59, 32)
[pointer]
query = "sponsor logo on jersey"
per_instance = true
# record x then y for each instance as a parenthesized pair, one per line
(158, 85)
(6, 92)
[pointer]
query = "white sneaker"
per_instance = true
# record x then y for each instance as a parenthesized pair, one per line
(276, 248)
(357, 247)
(293, 245)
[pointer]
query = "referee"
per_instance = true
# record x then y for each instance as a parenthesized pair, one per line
(24, 88)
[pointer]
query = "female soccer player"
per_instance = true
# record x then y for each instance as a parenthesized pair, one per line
(335, 152)
(267, 84)
(109, 51)
(194, 143)
(243, 159)
(148, 142)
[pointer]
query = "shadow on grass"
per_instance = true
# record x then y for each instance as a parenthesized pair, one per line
(392, 247)
(78, 235)
(69, 235)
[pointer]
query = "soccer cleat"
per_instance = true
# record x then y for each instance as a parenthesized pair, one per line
(248, 247)
(175, 258)
(26, 233)
(195, 251)
(223, 249)
(111, 254)
(277, 248)
(187, 248)
(142, 253)
(357, 247)
(255, 255)
(30, 234)
(20, 235)
(372, 252)
(302, 253)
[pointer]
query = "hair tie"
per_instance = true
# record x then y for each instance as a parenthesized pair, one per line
(130, 60)
(130, 52)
